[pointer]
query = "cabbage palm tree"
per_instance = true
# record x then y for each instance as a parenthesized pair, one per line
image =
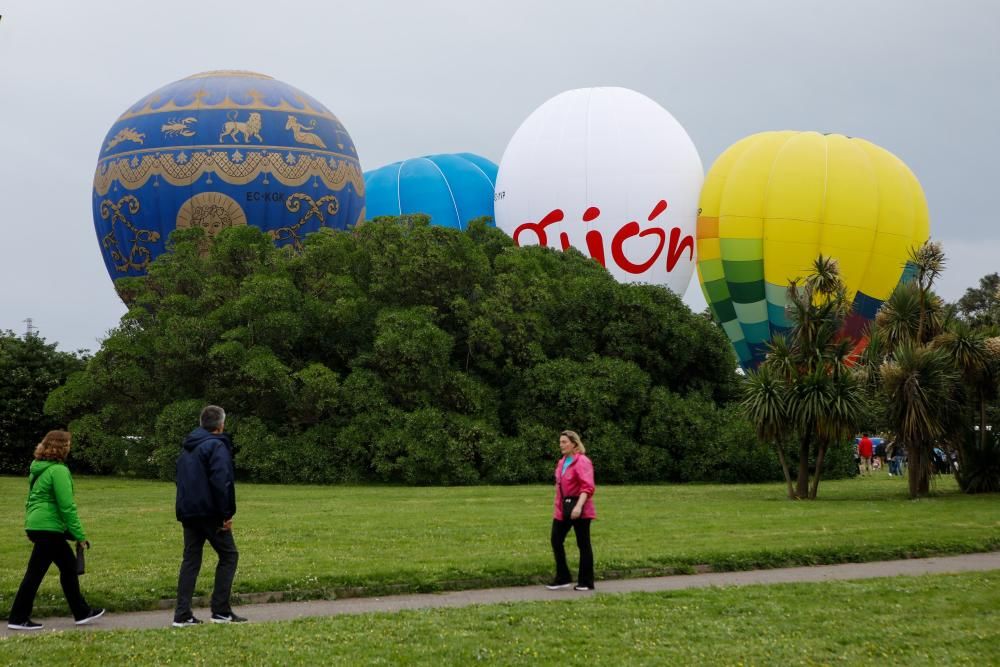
(919, 384)
(764, 404)
(805, 385)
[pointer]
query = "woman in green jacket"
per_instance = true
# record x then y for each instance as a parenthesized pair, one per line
(51, 520)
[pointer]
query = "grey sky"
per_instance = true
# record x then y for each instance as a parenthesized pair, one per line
(920, 78)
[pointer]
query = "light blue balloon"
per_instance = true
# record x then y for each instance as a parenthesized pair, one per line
(451, 188)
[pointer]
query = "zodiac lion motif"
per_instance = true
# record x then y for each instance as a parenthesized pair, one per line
(126, 134)
(178, 127)
(250, 128)
(302, 132)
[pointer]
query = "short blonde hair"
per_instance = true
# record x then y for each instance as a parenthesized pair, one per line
(574, 437)
(53, 447)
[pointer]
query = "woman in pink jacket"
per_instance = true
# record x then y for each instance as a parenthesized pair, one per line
(574, 508)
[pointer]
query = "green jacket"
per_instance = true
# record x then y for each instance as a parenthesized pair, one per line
(50, 505)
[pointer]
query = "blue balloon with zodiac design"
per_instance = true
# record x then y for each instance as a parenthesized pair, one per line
(451, 188)
(220, 149)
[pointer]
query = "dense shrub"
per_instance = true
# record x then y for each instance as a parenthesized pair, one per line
(404, 353)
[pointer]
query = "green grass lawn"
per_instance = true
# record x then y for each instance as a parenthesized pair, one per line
(931, 620)
(315, 541)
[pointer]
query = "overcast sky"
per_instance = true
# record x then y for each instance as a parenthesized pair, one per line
(921, 79)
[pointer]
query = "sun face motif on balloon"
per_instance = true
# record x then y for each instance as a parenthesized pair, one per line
(611, 173)
(217, 150)
(774, 201)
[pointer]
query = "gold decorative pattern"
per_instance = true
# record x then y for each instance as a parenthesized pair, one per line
(184, 169)
(125, 134)
(294, 204)
(198, 104)
(178, 127)
(139, 256)
(302, 133)
(250, 129)
(211, 211)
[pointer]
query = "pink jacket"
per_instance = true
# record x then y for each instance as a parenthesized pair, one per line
(578, 478)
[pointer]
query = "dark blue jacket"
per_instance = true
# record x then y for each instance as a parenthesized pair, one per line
(206, 479)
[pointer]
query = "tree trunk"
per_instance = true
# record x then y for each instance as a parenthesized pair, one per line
(784, 469)
(919, 473)
(982, 421)
(802, 484)
(820, 455)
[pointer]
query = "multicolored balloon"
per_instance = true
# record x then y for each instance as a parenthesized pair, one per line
(610, 172)
(451, 188)
(220, 149)
(774, 201)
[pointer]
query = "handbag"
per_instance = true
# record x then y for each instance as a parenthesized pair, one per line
(568, 503)
(80, 560)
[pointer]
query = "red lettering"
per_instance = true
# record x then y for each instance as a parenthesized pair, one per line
(595, 246)
(538, 228)
(676, 249)
(628, 231)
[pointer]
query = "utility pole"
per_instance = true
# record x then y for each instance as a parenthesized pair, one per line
(31, 329)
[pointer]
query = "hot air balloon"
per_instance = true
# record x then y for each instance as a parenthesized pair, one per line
(610, 172)
(774, 201)
(451, 188)
(220, 149)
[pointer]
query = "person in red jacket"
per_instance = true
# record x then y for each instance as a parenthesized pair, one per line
(865, 452)
(574, 508)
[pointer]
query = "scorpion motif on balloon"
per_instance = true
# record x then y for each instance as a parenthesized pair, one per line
(178, 127)
(139, 256)
(596, 245)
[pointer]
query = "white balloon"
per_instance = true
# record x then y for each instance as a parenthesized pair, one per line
(611, 173)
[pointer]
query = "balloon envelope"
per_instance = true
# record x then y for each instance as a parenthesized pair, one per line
(609, 172)
(774, 201)
(451, 188)
(220, 149)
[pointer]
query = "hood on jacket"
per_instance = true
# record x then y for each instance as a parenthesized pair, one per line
(200, 435)
(38, 467)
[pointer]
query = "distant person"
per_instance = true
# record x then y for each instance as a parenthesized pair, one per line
(206, 503)
(880, 457)
(50, 521)
(865, 454)
(574, 508)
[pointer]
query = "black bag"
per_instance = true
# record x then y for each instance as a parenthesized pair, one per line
(80, 561)
(568, 503)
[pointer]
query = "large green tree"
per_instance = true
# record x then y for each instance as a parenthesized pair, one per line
(399, 351)
(30, 369)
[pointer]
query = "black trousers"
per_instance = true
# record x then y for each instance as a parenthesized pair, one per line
(49, 548)
(581, 528)
(196, 533)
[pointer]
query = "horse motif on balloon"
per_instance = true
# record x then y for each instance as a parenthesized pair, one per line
(609, 172)
(774, 201)
(222, 149)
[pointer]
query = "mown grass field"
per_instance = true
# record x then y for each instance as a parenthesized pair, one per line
(318, 541)
(932, 620)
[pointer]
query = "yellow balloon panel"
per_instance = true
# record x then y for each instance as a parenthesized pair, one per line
(774, 201)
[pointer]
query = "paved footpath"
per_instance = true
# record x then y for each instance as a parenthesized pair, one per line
(283, 611)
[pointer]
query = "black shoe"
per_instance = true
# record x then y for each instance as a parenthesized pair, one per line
(231, 617)
(27, 625)
(187, 622)
(556, 585)
(92, 616)
(580, 587)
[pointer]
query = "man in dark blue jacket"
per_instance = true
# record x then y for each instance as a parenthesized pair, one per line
(206, 503)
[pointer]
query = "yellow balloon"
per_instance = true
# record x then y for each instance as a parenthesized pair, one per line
(774, 201)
